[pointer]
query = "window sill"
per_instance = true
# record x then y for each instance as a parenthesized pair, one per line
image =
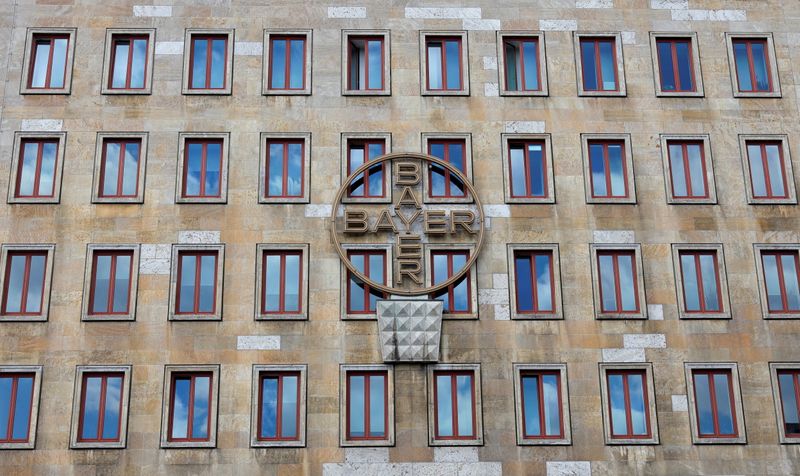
(680, 94)
(282, 317)
(371, 92)
(107, 318)
(194, 317)
(704, 316)
(461, 92)
(126, 92)
(283, 200)
(542, 93)
(287, 92)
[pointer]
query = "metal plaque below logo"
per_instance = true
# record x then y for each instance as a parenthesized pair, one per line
(410, 330)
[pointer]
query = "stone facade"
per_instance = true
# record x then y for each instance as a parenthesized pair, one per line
(324, 341)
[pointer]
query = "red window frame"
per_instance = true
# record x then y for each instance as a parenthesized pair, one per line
(607, 168)
(115, 40)
(26, 283)
(38, 173)
(367, 288)
(527, 171)
(540, 389)
(367, 374)
(111, 281)
(203, 161)
(748, 42)
(441, 40)
(446, 143)
(47, 38)
(282, 303)
(279, 416)
(365, 143)
(101, 416)
(615, 254)
(795, 374)
(120, 168)
(9, 435)
(520, 41)
(686, 172)
(288, 61)
(628, 434)
(531, 255)
(196, 307)
(192, 376)
(675, 65)
(209, 65)
(765, 168)
(699, 279)
(781, 278)
(713, 396)
(598, 65)
(366, 38)
(285, 143)
(449, 292)
(453, 374)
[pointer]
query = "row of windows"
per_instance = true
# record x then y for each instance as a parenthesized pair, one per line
(282, 281)
(189, 415)
(208, 62)
(286, 159)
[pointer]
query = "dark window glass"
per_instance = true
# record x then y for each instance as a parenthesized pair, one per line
(528, 169)
(128, 62)
(454, 395)
(361, 299)
(282, 280)
(752, 65)
(48, 68)
(209, 57)
(443, 184)
(781, 281)
(288, 62)
(444, 64)
(190, 414)
(279, 411)
(767, 170)
(533, 271)
(24, 289)
(676, 64)
(456, 297)
(197, 283)
(111, 282)
(365, 67)
(618, 283)
(522, 64)
(541, 405)
(285, 168)
(713, 391)
(687, 166)
(372, 184)
(628, 404)
(700, 275)
(367, 417)
(119, 169)
(789, 383)
(16, 403)
(599, 62)
(202, 169)
(608, 169)
(101, 407)
(36, 171)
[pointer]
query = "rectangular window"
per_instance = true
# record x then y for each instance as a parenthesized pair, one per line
(100, 414)
(25, 288)
(17, 396)
(279, 406)
(714, 403)
(282, 276)
(365, 63)
(534, 283)
(608, 174)
(789, 391)
(701, 284)
(48, 67)
(618, 282)
(441, 183)
(196, 282)
(599, 64)
(371, 184)
(128, 61)
(767, 170)
(112, 275)
(541, 404)
(687, 166)
(781, 281)
(751, 58)
(676, 64)
(287, 62)
(361, 299)
(190, 413)
(457, 297)
(528, 169)
(454, 397)
(522, 68)
(202, 168)
(367, 405)
(37, 169)
(628, 405)
(444, 69)
(285, 168)
(208, 58)
(119, 168)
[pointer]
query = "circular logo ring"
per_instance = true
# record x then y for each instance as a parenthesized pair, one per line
(414, 156)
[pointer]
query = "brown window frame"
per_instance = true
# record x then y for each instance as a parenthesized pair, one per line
(366, 38)
(38, 38)
(38, 172)
(209, 65)
(453, 374)
(204, 161)
(279, 375)
(597, 63)
(607, 169)
(9, 431)
(541, 404)
(28, 254)
(365, 143)
(696, 253)
(763, 144)
(101, 413)
(285, 167)
(448, 185)
(506, 39)
(367, 401)
(781, 279)
(675, 64)
(449, 291)
(615, 254)
(442, 39)
(283, 253)
(287, 61)
(367, 288)
(114, 254)
(530, 255)
(795, 373)
(684, 144)
(628, 435)
(130, 38)
(712, 396)
(174, 376)
(195, 309)
(525, 144)
(120, 168)
(748, 42)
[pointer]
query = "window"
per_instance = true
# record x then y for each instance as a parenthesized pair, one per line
(100, 407)
(284, 168)
(110, 292)
(279, 406)
(119, 169)
(522, 65)
(688, 169)
(619, 286)
(27, 271)
(778, 270)
(371, 184)
(608, 169)
(754, 70)
(542, 406)
(49, 56)
(366, 56)
(700, 276)
(676, 64)
(189, 419)
(767, 169)
(786, 394)
(455, 409)
(283, 282)
(36, 167)
(196, 282)
(628, 404)
(367, 405)
(600, 65)
(361, 299)
(444, 63)
(287, 62)
(19, 405)
(535, 277)
(457, 297)
(209, 63)
(528, 168)
(203, 168)
(715, 408)
(128, 61)
(442, 185)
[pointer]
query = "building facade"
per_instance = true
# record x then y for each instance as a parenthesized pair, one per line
(173, 303)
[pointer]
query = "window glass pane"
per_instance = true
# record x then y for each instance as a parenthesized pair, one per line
(194, 164)
(435, 66)
(376, 185)
(213, 166)
(742, 66)
(791, 420)
(131, 171)
(27, 174)
(544, 286)
(536, 167)
(292, 283)
(102, 280)
(356, 160)
(439, 268)
(22, 408)
(289, 407)
(598, 170)
(375, 64)
(208, 271)
(636, 394)
(552, 407)
(724, 404)
(760, 65)
(665, 66)
(275, 181)
(676, 167)
(627, 282)
(91, 408)
(111, 414)
(35, 284)
(376, 273)
(59, 66)
(757, 170)
(518, 185)
(139, 63)
(691, 291)
(789, 263)
(616, 397)
(772, 282)
(357, 406)
(589, 66)
(616, 167)
(531, 65)
(437, 172)
(294, 181)
(696, 172)
(512, 69)
(522, 272)
(16, 277)
(120, 68)
(357, 64)
(708, 270)
(607, 283)
(278, 79)
(202, 387)
(376, 405)
(705, 417)
(530, 402)
(453, 63)
(199, 61)
(608, 65)
(218, 63)
(122, 283)
(775, 166)
(269, 407)
(356, 302)
(464, 404)
(5, 405)
(187, 280)
(297, 65)
(444, 406)
(48, 170)
(42, 55)
(272, 286)
(455, 153)
(682, 50)
(180, 408)
(461, 289)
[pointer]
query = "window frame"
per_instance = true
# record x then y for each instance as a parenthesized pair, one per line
(782, 140)
(78, 400)
(578, 38)
(346, 139)
(427, 138)
(471, 277)
(108, 60)
(345, 283)
(303, 250)
(772, 65)
(49, 251)
(759, 249)
(172, 371)
(705, 147)
(21, 137)
(507, 139)
(255, 411)
(526, 35)
(736, 404)
(27, 62)
(88, 282)
(99, 166)
(266, 90)
(177, 251)
(694, 52)
(188, 56)
(724, 296)
(520, 370)
(625, 140)
(462, 37)
(265, 138)
(595, 250)
(344, 399)
(183, 139)
(433, 438)
(776, 368)
(555, 280)
(36, 371)
(385, 37)
(652, 438)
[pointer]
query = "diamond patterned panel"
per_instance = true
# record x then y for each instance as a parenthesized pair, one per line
(410, 330)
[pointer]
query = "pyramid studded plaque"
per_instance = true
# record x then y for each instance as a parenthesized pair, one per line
(410, 330)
